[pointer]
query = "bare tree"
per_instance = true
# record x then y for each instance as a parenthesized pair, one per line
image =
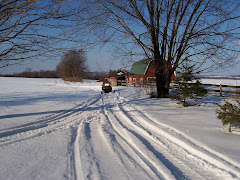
(169, 31)
(29, 28)
(73, 65)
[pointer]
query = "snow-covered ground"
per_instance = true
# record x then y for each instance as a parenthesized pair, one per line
(231, 82)
(50, 129)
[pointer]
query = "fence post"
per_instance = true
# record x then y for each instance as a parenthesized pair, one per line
(220, 89)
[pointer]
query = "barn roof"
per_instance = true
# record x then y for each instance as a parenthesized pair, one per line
(140, 67)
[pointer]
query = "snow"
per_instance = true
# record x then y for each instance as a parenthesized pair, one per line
(231, 82)
(51, 129)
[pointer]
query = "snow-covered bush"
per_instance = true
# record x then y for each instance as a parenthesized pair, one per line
(229, 113)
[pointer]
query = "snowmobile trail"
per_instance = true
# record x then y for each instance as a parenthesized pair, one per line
(168, 153)
(142, 159)
(185, 140)
(198, 164)
(94, 148)
(119, 137)
(46, 124)
(110, 138)
(76, 155)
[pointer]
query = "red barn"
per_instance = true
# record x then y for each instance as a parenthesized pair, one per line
(143, 71)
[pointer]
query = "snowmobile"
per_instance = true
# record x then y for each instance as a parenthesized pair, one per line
(106, 87)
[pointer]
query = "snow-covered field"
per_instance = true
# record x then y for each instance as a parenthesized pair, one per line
(50, 129)
(231, 82)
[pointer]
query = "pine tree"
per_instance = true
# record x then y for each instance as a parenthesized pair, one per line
(187, 85)
(229, 114)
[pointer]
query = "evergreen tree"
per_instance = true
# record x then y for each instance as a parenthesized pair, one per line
(187, 85)
(229, 114)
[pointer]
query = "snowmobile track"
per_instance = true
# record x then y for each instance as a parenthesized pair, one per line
(142, 159)
(46, 124)
(187, 139)
(129, 136)
(174, 145)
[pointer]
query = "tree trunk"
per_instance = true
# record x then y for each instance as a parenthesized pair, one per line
(162, 88)
(230, 127)
(161, 80)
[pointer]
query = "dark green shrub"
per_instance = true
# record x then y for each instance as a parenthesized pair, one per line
(187, 85)
(229, 114)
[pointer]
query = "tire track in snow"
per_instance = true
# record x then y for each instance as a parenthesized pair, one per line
(113, 148)
(76, 160)
(84, 150)
(85, 163)
(47, 125)
(87, 143)
(138, 156)
(145, 159)
(101, 160)
(118, 145)
(207, 159)
(47, 119)
(190, 140)
(161, 150)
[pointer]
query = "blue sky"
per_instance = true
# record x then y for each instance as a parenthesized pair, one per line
(98, 60)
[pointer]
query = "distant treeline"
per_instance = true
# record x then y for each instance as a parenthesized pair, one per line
(34, 74)
(28, 73)
(53, 74)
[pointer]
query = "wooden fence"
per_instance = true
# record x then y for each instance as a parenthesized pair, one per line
(122, 83)
(221, 88)
(216, 88)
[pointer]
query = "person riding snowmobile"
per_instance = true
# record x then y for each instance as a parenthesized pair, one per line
(106, 87)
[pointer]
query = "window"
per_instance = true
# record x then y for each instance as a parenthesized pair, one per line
(134, 80)
(151, 80)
